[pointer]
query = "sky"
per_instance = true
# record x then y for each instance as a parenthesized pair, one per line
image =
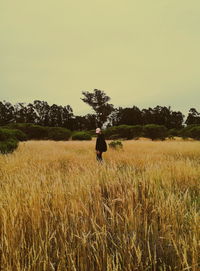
(141, 53)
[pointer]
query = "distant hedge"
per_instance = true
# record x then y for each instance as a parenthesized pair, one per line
(33, 131)
(8, 141)
(154, 131)
(28, 131)
(124, 131)
(192, 131)
(81, 136)
(6, 133)
(58, 133)
(8, 146)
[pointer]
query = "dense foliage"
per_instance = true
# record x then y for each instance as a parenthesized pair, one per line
(154, 131)
(192, 131)
(8, 146)
(28, 131)
(81, 136)
(8, 141)
(104, 114)
(124, 131)
(58, 133)
(116, 144)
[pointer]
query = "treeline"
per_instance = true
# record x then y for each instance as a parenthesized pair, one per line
(11, 134)
(105, 114)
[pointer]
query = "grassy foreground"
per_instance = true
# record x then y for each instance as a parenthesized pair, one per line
(60, 210)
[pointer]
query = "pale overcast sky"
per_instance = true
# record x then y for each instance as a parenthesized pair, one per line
(140, 52)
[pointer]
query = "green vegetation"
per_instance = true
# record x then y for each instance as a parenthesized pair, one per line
(81, 136)
(8, 141)
(116, 144)
(124, 131)
(58, 133)
(28, 131)
(8, 146)
(154, 131)
(31, 130)
(192, 131)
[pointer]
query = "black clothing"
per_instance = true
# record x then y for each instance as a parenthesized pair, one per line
(101, 143)
(99, 157)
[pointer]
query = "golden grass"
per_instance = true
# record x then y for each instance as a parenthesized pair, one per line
(61, 210)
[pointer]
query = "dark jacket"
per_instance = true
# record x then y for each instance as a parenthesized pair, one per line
(101, 143)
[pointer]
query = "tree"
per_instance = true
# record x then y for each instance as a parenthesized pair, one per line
(154, 131)
(148, 116)
(31, 114)
(162, 115)
(42, 108)
(6, 113)
(67, 116)
(129, 116)
(176, 120)
(98, 100)
(193, 117)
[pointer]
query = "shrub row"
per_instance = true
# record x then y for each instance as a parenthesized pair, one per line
(151, 131)
(11, 135)
(9, 140)
(33, 131)
(28, 131)
(191, 131)
(81, 136)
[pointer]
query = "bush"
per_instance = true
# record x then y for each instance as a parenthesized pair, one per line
(115, 136)
(124, 131)
(19, 135)
(8, 140)
(154, 131)
(110, 132)
(192, 131)
(58, 133)
(8, 146)
(92, 133)
(116, 144)
(31, 130)
(81, 136)
(5, 134)
(173, 132)
(136, 131)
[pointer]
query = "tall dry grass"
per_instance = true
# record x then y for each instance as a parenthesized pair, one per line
(60, 210)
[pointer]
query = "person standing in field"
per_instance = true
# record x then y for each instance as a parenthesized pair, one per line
(101, 145)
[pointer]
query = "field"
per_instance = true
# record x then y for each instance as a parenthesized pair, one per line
(139, 210)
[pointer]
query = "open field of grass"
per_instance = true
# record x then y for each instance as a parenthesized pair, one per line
(61, 210)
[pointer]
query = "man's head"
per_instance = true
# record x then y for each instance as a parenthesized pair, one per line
(98, 131)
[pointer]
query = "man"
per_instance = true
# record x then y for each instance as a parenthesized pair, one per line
(100, 145)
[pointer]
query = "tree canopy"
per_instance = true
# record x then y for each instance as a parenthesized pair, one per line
(41, 113)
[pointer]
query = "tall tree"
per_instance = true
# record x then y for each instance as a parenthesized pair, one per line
(98, 100)
(176, 120)
(20, 113)
(42, 108)
(31, 114)
(193, 117)
(6, 113)
(68, 117)
(129, 116)
(163, 115)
